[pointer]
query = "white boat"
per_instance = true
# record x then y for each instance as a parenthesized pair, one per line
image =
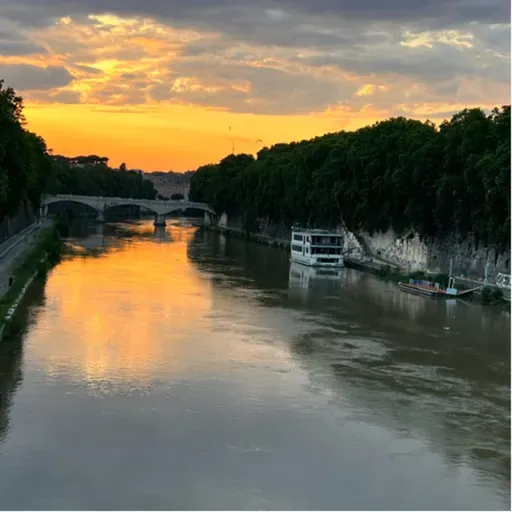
(318, 281)
(316, 248)
(301, 276)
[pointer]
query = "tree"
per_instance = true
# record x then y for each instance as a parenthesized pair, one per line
(400, 173)
(24, 159)
(93, 179)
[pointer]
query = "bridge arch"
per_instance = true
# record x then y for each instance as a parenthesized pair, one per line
(129, 202)
(71, 199)
(159, 208)
(187, 206)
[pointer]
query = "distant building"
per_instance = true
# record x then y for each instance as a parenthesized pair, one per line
(169, 184)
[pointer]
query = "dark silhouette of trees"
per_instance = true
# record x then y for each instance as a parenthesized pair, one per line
(92, 177)
(400, 173)
(25, 165)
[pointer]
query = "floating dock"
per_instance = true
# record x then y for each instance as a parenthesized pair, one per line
(434, 292)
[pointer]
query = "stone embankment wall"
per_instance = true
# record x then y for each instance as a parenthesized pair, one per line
(412, 253)
(408, 252)
(13, 310)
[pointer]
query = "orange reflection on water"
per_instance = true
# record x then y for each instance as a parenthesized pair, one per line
(123, 313)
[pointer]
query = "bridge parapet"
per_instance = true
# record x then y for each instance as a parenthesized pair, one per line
(101, 203)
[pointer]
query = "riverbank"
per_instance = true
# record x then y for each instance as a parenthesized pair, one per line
(31, 265)
(489, 295)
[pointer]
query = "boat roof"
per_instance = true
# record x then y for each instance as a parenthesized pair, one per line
(316, 231)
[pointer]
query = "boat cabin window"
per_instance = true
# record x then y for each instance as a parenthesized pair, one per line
(327, 240)
(297, 248)
(326, 250)
(298, 238)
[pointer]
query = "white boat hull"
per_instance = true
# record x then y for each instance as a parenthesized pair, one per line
(309, 262)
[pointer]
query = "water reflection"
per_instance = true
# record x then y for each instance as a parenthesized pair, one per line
(115, 235)
(10, 379)
(133, 297)
(417, 366)
(180, 369)
(11, 353)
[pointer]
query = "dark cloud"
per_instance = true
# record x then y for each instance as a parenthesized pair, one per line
(161, 92)
(24, 77)
(280, 48)
(16, 44)
(88, 69)
(262, 90)
(130, 76)
(66, 97)
(441, 62)
(324, 25)
(449, 88)
(19, 48)
(113, 94)
(209, 12)
(459, 11)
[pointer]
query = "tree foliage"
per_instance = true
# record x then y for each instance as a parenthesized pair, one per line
(401, 174)
(91, 176)
(25, 165)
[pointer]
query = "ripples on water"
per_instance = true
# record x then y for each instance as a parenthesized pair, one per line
(180, 369)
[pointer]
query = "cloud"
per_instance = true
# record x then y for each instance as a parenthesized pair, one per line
(427, 56)
(24, 77)
(270, 56)
(18, 48)
(61, 96)
(242, 86)
(225, 13)
(16, 43)
(87, 69)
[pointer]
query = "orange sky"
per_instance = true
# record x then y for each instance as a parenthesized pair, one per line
(162, 95)
(174, 137)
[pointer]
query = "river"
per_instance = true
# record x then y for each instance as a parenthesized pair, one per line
(178, 369)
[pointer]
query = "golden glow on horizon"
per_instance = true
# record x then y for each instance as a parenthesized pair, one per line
(172, 137)
(182, 138)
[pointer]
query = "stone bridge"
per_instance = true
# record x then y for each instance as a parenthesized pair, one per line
(101, 204)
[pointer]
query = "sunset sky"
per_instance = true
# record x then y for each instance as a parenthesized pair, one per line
(158, 83)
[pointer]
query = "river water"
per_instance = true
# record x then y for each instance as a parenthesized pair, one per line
(179, 369)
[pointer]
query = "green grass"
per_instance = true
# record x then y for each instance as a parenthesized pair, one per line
(37, 260)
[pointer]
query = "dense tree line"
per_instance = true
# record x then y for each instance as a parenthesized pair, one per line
(91, 176)
(401, 174)
(25, 166)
